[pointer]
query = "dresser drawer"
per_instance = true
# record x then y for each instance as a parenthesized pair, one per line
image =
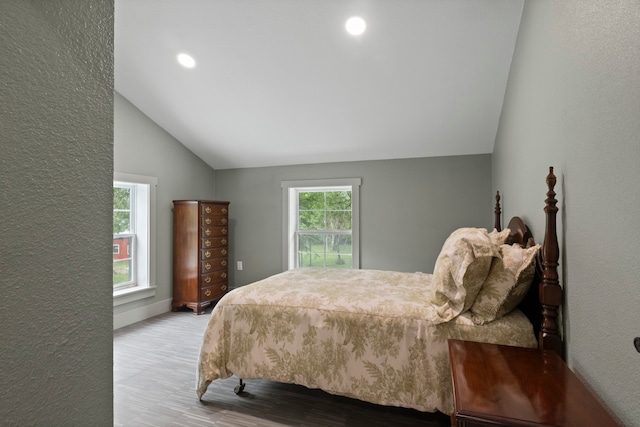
(214, 242)
(211, 265)
(214, 253)
(213, 209)
(214, 220)
(213, 292)
(213, 231)
(213, 278)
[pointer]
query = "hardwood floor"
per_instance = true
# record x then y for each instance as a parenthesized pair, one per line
(154, 385)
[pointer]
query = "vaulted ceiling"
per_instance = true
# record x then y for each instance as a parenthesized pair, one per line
(280, 82)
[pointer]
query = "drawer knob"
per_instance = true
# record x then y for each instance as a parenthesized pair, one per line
(223, 275)
(224, 231)
(207, 254)
(224, 210)
(207, 231)
(208, 220)
(207, 209)
(224, 262)
(224, 241)
(207, 279)
(224, 252)
(223, 287)
(224, 220)
(207, 266)
(207, 243)
(207, 292)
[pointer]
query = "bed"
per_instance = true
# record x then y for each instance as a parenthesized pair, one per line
(381, 336)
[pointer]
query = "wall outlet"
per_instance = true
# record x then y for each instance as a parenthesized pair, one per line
(239, 265)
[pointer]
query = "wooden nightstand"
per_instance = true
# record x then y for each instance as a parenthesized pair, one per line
(496, 385)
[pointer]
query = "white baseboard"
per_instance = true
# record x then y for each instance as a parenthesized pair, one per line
(141, 313)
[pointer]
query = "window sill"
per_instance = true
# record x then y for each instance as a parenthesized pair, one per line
(133, 294)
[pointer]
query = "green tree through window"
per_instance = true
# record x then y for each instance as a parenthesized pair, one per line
(324, 229)
(123, 235)
(321, 226)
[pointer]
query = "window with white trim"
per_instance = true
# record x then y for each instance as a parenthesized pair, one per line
(133, 236)
(124, 234)
(321, 223)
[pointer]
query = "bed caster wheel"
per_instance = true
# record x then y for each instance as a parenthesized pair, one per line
(239, 388)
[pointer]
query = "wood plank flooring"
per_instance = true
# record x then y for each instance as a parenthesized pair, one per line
(154, 385)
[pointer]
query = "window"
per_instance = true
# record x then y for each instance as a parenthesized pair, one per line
(321, 223)
(124, 234)
(133, 237)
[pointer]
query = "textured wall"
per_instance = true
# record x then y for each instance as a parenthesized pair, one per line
(56, 126)
(408, 208)
(573, 101)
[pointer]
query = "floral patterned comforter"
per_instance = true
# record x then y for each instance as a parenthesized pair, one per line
(366, 334)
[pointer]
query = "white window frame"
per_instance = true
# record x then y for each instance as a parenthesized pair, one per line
(138, 194)
(144, 213)
(290, 215)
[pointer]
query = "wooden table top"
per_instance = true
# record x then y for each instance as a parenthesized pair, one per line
(515, 386)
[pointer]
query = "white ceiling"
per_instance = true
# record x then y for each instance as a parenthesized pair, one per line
(280, 82)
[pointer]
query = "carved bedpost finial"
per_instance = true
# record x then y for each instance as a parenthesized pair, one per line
(550, 290)
(497, 211)
(551, 181)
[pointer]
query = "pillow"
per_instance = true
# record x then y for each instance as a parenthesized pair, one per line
(460, 271)
(499, 237)
(507, 284)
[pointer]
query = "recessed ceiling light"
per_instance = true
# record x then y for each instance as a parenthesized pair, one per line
(355, 25)
(186, 60)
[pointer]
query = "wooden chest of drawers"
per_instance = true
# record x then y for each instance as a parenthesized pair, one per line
(498, 385)
(200, 253)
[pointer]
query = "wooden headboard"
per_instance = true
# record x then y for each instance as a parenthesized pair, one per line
(542, 303)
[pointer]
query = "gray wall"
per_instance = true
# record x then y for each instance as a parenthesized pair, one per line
(573, 101)
(141, 147)
(56, 164)
(407, 209)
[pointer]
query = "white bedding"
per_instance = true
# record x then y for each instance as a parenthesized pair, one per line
(366, 334)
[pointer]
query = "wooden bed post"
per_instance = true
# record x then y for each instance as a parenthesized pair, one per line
(497, 211)
(550, 292)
